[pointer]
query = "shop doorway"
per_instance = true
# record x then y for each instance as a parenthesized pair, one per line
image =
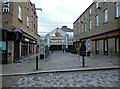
(97, 47)
(16, 52)
(105, 47)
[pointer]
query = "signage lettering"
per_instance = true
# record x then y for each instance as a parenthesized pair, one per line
(26, 39)
(6, 6)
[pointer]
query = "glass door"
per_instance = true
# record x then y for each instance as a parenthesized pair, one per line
(105, 47)
(97, 47)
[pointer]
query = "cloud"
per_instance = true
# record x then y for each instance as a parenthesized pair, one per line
(57, 13)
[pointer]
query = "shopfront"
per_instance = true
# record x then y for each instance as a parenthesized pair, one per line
(27, 46)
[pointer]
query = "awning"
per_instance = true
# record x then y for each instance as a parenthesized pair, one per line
(18, 30)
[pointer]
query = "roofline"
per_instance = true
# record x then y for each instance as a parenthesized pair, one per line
(84, 12)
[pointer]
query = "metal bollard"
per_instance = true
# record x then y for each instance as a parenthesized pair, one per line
(83, 61)
(36, 62)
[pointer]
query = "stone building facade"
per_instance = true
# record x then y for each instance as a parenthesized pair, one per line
(100, 22)
(21, 21)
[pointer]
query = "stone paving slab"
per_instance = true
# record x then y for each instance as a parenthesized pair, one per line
(101, 78)
(60, 61)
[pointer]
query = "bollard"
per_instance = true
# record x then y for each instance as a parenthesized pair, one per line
(36, 62)
(83, 61)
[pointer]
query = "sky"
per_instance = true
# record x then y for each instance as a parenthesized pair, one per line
(57, 13)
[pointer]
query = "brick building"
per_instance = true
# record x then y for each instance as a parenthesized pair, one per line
(100, 22)
(19, 30)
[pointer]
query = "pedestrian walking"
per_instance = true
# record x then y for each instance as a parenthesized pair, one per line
(63, 50)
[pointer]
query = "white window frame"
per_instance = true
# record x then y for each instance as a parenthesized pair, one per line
(28, 21)
(28, 4)
(117, 9)
(96, 5)
(82, 29)
(85, 27)
(84, 16)
(105, 15)
(90, 24)
(97, 21)
(20, 12)
(90, 11)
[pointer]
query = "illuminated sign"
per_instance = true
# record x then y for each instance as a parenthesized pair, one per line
(6, 6)
(57, 34)
(26, 39)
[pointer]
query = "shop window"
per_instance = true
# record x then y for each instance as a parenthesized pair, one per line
(117, 45)
(30, 48)
(24, 48)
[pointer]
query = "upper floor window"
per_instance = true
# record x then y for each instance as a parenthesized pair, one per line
(84, 16)
(96, 5)
(31, 25)
(27, 4)
(90, 11)
(90, 24)
(105, 15)
(85, 27)
(81, 29)
(81, 20)
(105, 0)
(20, 13)
(117, 9)
(28, 21)
(97, 21)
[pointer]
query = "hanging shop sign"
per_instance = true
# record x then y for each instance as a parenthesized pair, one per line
(6, 6)
(3, 45)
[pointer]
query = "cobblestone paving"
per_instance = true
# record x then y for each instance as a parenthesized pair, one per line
(103, 78)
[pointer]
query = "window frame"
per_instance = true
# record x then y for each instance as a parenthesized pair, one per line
(81, 27)
(90, 11)
(96, 5)
(27, 21)
(96, 21)
(116, 45)
(106, 15)
(117, 11)
(20, 13)
(85, 29)
(90, 24)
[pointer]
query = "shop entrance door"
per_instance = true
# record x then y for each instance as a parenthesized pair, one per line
(16, 52)
(97, 47)
(105, 47)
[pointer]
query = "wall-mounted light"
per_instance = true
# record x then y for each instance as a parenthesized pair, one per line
(6, 21)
